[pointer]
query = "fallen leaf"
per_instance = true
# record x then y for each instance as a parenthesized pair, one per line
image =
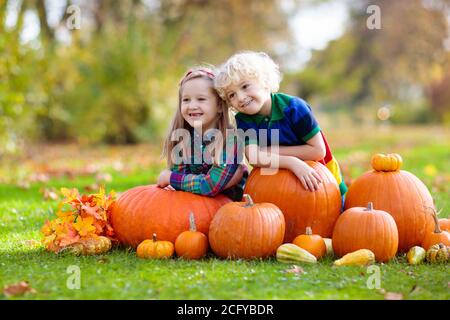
(295, 269)
(18, 289)
(49, 194)
(103, 177)
(23, 185)
(393, 296)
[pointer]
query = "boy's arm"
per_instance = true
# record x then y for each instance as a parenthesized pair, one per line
(308, 177)
(314, 149)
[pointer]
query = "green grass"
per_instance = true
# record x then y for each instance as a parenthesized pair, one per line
(121, 275)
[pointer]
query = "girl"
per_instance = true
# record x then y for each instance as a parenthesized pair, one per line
(197, 163)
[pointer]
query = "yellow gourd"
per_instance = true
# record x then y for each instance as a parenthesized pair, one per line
(416, 255)
(291, 253)
(90, 246)
(359, 257)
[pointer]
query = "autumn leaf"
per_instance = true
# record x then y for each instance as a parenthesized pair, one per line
(84, 226)
(393, 296)
(70, 194)
(295, 269)
(68, 235)
(18, 289)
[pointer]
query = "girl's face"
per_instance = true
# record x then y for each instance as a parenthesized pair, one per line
(199, 104)
(249, 96)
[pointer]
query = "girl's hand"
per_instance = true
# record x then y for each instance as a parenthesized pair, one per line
(164, 178)
(309, 178)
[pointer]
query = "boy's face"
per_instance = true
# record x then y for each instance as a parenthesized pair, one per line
(249, 96)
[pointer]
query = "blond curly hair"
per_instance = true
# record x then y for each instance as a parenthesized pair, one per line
(248, 65)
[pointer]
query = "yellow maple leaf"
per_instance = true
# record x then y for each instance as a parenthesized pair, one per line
(70, 194)
(84, 226)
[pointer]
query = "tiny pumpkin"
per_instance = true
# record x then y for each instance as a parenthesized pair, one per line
(313, 243)
(437, 236)
(438, 253)
(154, 248)
(191, 244)
(388, 162)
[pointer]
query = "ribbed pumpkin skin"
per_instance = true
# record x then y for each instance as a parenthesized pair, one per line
(237, 231)
(374, 230)
(301, 208)
(144, 210)
(402, 195)
(444, 224)
(191, 245)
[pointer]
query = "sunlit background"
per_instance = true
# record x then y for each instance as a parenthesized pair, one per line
(114, 80)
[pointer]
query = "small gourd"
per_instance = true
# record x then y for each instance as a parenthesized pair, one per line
(329, 245)
(154, 248)
(90, 246)
(361, 257)
(438, 253)
(416, 255)
(291, 253)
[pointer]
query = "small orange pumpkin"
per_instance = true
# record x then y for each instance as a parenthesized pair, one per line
(191, 244)
(154, 248)
(313, 243)
(437, 236)
(388, 162)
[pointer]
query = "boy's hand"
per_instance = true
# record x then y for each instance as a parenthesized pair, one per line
(164, 178)
(309, 178)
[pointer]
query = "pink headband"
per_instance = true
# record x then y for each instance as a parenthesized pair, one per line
(205, 71)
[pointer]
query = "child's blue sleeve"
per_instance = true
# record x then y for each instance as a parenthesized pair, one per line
(302, 119)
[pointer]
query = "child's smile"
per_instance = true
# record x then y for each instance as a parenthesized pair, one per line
(199, 104)
(249, 97)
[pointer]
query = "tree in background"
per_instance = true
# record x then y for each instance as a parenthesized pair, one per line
(392, 65)
(115, 79)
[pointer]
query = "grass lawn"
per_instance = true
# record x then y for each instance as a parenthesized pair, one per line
(121, 275)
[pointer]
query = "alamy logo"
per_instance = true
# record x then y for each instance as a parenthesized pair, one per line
(74, 20)
(374, 20)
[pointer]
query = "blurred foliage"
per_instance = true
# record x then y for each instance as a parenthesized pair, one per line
(115, 79)
(404, 64)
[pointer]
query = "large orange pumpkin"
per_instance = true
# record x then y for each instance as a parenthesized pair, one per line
(301, 208)
(366, 228)
(402, 195)
(149, 209)
(246, 230)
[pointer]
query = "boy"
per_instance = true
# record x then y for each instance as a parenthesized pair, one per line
(248, 81)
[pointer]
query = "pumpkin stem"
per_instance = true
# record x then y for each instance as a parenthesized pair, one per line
(154, 237)
(308, 231)
(192, 226)
(248, 200)
(437, 229)
(369, 206)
